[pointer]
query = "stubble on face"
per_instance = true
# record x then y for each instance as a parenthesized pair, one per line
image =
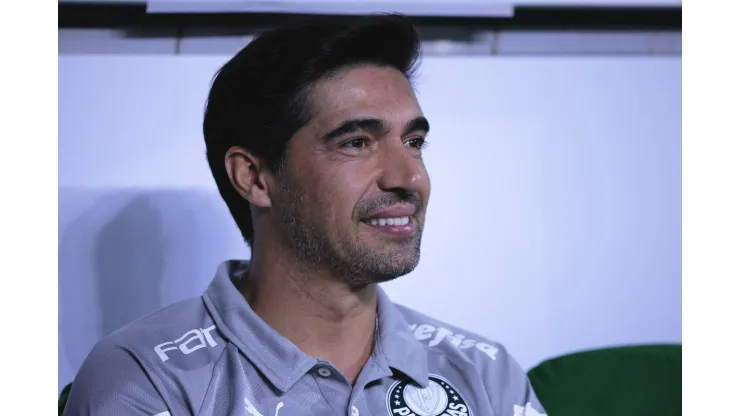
(316, 244)
(322, 195)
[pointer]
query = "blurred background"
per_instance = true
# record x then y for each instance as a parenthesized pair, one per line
(555, 156)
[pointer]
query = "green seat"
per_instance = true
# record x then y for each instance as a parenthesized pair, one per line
(63, 398)
(634, 381)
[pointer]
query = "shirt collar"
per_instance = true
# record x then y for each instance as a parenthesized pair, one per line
(275, 356)
(280, 360)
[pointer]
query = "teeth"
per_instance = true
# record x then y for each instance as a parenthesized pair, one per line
(390, 221)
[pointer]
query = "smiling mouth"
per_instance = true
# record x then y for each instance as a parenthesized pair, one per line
(388, 221)
(392, 226)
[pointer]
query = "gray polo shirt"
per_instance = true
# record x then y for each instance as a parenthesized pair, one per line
(213, 355)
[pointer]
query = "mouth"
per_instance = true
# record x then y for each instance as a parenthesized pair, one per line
(388, 221)
(392, 226)
(394, 221)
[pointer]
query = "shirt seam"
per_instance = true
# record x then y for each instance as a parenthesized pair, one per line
(479, 375)
(210, 381)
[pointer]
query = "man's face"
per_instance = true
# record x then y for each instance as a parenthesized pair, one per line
(354, 190)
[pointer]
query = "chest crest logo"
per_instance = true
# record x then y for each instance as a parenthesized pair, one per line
(439, 398)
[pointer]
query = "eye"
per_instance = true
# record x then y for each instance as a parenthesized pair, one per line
(417, 143)
(356, 143)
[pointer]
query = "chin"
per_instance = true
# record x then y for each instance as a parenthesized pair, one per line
(388, 244)
(384, 267)
(374, 259)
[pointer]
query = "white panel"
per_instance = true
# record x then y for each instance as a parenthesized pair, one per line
(480, 8)
(295, 4)
(554, 224)
(468, 8)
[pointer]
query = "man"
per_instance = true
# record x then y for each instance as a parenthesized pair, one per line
(314, 137)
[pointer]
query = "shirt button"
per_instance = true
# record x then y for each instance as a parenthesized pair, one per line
(355, 412)
(324, 372)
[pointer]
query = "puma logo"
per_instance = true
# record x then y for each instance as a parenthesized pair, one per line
(252, 411)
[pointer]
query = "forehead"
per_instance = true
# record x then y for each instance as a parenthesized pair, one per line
(369, 91)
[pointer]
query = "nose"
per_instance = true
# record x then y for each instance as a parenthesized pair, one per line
(401, 169)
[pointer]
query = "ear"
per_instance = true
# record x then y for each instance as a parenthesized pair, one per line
(249, 176)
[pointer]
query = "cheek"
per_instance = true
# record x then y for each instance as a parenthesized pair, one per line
(340, 191)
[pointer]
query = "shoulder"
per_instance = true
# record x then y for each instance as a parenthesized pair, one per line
(166, 344)
(461, 348)
(504, 380)
(166, 354)
(444, 338)
(185, 326)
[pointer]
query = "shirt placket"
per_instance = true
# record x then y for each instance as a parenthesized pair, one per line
(367, 380)
(333, 386)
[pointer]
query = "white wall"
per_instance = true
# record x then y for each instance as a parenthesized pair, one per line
(554, 224)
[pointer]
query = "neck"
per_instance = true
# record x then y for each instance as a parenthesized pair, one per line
(322, 316)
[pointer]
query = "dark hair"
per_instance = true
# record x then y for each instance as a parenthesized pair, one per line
(260, 98)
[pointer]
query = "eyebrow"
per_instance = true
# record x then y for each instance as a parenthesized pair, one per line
(375, 126)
